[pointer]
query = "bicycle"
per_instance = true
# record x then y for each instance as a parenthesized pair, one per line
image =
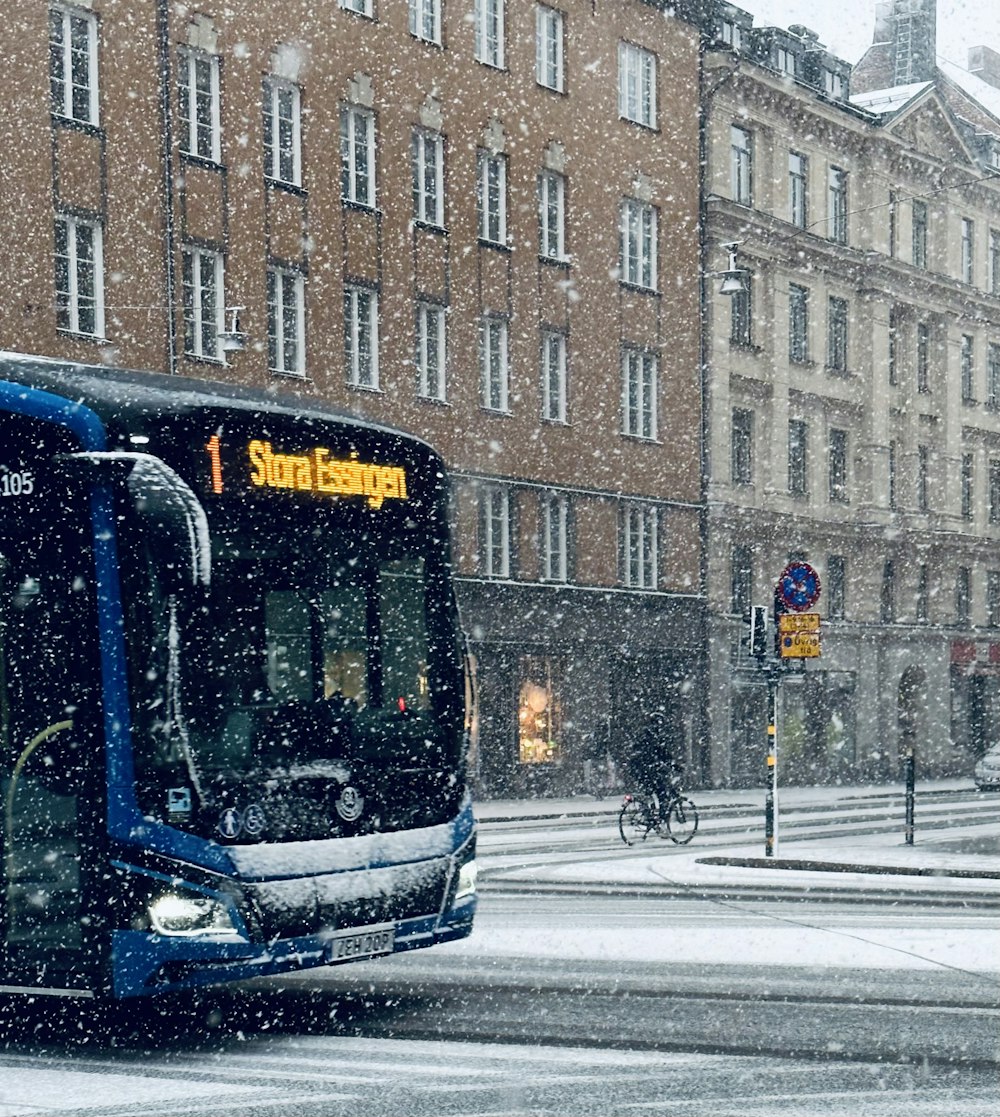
(642, 813)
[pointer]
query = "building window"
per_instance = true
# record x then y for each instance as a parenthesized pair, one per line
(639, 548)
(639, 376)
(282, 131)
(539, 712)
(836, 345)
(919, 234)
(798, 201)
(834, 84)
(741, 447)
(837, 205)
(923, 593)
(286, 322)
(428, 177)
(357, 155)
(495, 533)
(637, 84)
(549, 47)
(968, 467)
(993, 597)
(963, 595)
(968, 260)
(741, 314)
(204, 302)
(489, 21)
(835, 587)
(638, 244)
(552, 215)
(887, 596)
(553, 376)
(731, 34)
(784, 61)
(798, 434)
(73, 64)
(923, 478)
(741, 165)
(741, 580)
(79, 266)
(798, 324)
(838, 466)
(491, 196)
(200, 111)
(994, 262)
(362, 7)
(893, 222)
(993, 376)
(893, 342)
(494, 369)
(361, 336)
(923, 357)
(893, 470)
(968, 370)
(555, 537)
(425, 20)
(994, 481)
(431, 351)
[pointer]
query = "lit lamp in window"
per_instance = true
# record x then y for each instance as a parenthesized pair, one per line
(233, 340)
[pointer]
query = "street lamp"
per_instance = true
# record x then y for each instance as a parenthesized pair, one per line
(732, 278)
(233, 340)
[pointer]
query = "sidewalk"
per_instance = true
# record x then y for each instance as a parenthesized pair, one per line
(960, 860)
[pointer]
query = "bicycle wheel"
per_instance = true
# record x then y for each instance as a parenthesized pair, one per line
(682, 820)
(632, 820)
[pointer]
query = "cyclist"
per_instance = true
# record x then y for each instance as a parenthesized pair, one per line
(652, 763)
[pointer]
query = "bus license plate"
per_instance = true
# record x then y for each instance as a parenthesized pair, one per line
(367, 943)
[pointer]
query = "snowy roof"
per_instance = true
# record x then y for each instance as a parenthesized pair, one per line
(987, 95)
(885, 101)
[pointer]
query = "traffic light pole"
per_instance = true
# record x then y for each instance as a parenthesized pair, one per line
(771, 800)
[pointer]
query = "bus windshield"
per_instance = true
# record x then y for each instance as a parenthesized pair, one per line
(321, 657)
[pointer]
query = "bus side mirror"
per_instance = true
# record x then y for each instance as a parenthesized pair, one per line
(164, 503)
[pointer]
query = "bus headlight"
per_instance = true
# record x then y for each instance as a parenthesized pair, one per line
(189, 913)
(466, 881)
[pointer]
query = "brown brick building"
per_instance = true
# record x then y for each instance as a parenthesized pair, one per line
(477, 221)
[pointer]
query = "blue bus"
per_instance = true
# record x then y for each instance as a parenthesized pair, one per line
(233, 688)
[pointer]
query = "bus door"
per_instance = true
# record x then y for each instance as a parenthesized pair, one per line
(50, 792)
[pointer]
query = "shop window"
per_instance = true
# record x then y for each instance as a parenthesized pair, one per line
(539, 715)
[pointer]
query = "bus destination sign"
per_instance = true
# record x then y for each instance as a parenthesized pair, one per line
(315, 471)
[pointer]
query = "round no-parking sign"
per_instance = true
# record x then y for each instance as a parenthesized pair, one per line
(798, 586)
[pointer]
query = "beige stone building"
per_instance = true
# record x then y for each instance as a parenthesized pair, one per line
(854, 394)
(476, 221)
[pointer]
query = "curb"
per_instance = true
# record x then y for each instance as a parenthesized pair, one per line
(846, 867)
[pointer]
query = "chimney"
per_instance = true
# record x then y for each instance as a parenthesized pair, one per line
(913, 40)
(984, 62)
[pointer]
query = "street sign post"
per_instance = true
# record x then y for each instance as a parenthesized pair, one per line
(798, 635)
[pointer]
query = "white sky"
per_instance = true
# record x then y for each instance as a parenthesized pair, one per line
(846, 26)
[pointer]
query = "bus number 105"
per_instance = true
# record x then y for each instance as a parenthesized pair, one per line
(16, 482)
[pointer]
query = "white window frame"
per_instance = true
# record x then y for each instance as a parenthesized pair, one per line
(203, 286)
(636, 84)
(201, 132)
(357, 155)
(282, 131)
(549, 39)
(967, 262)
(425, 20)
(80, 278)
(489, 26)
(359, 7)
(427, 150)
(555, 537)
(491, 194)
(431, 350)
(638, 247)
(552, 215)
(73, 73)
(286, 317)
(741, 164)
(640, 547)
(640, 376)
(798, 189)
(553, 362)
(361, 336)
(494, 363)
(837, 214)
(495, 526)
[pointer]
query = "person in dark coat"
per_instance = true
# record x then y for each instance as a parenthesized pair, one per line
(653, 762)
